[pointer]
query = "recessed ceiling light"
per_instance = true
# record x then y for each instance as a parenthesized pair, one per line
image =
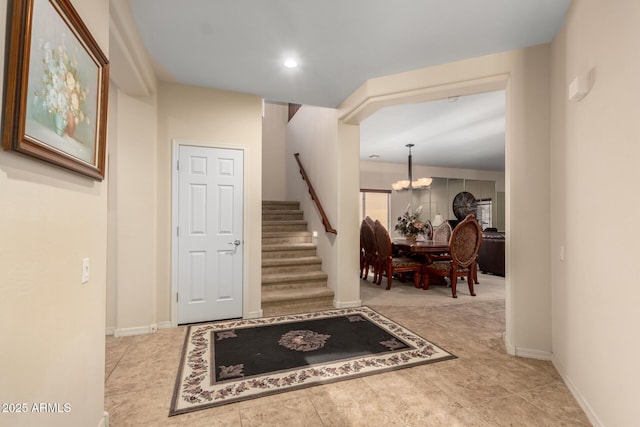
(290, 63)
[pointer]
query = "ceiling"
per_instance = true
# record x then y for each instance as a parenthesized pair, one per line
(462, 132)
(241, 45)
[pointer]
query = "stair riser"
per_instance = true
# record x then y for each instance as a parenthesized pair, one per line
(289, 253)
(283, 227)
(286, 240)
(303, 268)
(295, 206)
(299, 306)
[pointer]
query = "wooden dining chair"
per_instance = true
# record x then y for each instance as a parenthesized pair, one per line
(369, 250)
(464, 244)
(428, 235)
(389, 264)
(442, 233)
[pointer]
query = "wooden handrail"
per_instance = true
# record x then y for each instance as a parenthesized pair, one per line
(325, 221)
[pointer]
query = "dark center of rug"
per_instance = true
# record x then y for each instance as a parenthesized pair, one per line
(245, 352)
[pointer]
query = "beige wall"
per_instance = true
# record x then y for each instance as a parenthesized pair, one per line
(380, 175)
(146, 120)
(595, 148)
(112, 212)
(52, 326)
(332, 167)
(313, 132)
(132, 200)
(215, 118)
(525, 75)
(133, 190)
(274, 139)
(346, 166)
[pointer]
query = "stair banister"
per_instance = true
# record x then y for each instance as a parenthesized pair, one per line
(325, 221)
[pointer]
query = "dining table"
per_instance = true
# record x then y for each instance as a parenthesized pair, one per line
(429, 250)
(425, 247)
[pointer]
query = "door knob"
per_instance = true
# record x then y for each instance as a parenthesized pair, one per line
(235, 242)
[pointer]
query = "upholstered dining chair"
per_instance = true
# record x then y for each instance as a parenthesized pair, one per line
(442, 232)
(464, 244)
(389, 264)
(369, 250)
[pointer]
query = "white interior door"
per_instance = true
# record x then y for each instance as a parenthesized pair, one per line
(209, 235)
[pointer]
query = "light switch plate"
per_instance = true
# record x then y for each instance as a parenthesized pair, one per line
(85, 270)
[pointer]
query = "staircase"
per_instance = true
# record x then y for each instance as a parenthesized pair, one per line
(292, 279)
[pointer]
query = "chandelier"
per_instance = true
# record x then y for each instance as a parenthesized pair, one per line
(409, 184)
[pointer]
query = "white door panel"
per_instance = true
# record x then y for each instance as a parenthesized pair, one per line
(210, 234)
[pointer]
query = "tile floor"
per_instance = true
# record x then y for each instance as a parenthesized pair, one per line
(483, 387)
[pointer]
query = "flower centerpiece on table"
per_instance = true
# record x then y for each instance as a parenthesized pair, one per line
(62, 93)
(409, 224)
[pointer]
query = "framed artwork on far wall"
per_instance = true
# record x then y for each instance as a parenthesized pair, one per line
(56, 87)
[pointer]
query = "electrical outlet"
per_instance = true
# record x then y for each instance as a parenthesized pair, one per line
(85, 270)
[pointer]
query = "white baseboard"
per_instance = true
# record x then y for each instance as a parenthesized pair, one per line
(533, 354)
(254, 314)
(165, 324)
(511, 349)
(347, 304)
(138, 330)
(529, 353)
(123, 332)
(104, 421)
(588, 410)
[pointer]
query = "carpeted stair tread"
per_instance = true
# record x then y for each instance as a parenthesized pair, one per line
(289, 295)
(282, 211)
(285, 233)
(288, 247)
(273, 237)
(287, 225)
(281, 278)
(285, 222)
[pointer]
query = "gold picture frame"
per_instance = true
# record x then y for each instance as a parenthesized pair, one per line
(56, 87)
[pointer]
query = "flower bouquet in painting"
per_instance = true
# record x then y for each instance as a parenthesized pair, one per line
(409, 224)
(62, 93)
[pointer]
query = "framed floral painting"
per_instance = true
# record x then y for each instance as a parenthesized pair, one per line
(56, 87)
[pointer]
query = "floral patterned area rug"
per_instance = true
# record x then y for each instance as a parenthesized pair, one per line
(229, 361)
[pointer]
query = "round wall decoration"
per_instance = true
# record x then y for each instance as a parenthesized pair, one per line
(464, 204)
